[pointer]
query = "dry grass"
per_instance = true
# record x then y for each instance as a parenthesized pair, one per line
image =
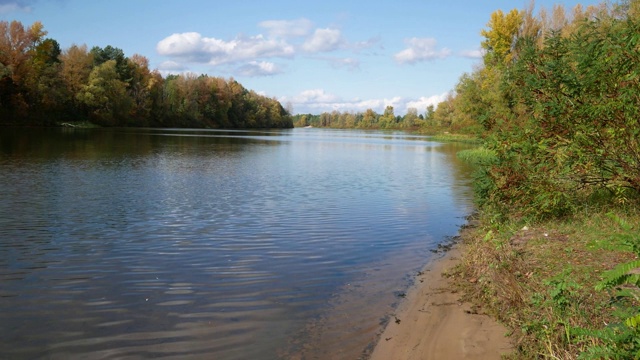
(539, 280)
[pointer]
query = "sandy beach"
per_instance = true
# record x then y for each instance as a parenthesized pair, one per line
(432, 322)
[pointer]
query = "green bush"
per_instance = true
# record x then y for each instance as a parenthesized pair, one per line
(574, 126)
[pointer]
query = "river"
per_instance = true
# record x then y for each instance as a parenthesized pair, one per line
(274, 244)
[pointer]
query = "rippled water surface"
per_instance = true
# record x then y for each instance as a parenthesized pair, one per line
(138, 243)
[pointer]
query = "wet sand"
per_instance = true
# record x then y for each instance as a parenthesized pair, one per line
(432, 323)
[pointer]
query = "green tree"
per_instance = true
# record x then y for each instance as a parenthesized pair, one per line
(106, 95)
(102, 55)
(47, 94)
(411, 118)
(388, 118)
(429, 114)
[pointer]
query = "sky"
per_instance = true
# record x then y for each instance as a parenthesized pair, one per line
(312, 56)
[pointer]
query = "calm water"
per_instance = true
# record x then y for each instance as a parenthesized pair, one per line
(141, 243)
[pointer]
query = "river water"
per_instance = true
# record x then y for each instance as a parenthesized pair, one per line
(208, 244)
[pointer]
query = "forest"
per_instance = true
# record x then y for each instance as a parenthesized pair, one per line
(43, 85)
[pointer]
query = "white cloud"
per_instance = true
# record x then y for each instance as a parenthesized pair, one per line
(287, 28)
(317, 101)
(316, 96)
(171, 65)
(194, 47)
(377, 105)
(421, 49)
(255, 68)
(252, 55)
(423, 102)
(323, 40)
(473, 54)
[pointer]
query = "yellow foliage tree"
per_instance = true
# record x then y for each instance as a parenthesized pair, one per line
(501, 35)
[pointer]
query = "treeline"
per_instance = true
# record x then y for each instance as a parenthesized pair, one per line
(445, 117)
(42, 85)
(368, 120)
(557, 102)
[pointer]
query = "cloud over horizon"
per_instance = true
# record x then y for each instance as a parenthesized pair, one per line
(421, 49)
(318, 100)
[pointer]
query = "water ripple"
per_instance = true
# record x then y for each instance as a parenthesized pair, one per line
(218, 244)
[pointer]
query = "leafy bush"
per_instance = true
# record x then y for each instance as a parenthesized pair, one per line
(574, 125)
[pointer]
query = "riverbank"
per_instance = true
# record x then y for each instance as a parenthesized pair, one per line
(538, 280)
(544, 282)
(435, 323)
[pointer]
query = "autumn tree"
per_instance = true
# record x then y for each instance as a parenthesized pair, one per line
(501, 35)
(369, 118)
(17, 46)
(141, 86)
(76, 64)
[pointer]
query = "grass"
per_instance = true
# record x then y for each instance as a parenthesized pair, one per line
(539, 279)
(476, 156)
(456, 137)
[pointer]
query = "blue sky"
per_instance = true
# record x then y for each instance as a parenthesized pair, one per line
(316, 56)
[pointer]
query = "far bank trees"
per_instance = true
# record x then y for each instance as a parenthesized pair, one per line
(40, 84)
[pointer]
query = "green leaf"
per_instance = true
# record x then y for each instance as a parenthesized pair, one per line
(633, 321)
(620, 275)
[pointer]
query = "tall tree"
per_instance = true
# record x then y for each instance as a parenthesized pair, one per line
(411, 118)
(501, 35)
(388, 118)
(47, 94)
(106, 95)
(17, 45)
(102, 55)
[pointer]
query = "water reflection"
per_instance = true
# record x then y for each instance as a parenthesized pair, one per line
(222, 244)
